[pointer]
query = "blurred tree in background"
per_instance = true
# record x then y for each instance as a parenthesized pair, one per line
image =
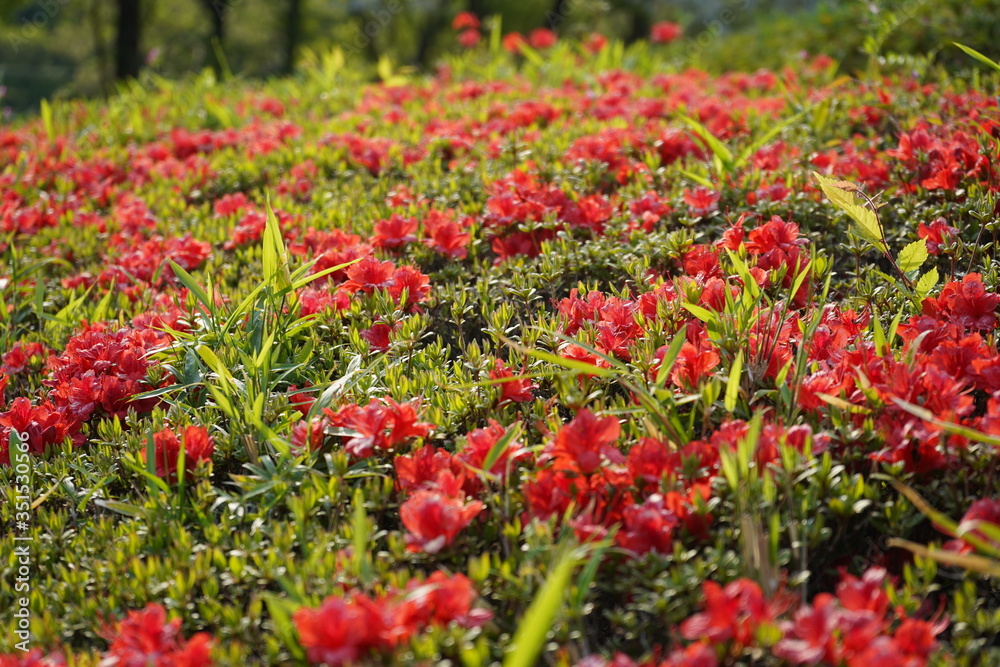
(58, 48)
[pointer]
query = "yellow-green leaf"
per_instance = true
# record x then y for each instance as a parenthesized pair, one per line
(913, 256)
(840, 193)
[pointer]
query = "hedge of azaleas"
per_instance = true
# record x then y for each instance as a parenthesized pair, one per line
(585, 301)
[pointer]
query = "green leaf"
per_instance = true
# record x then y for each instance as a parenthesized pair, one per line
(500, 446)
(912, 256)
(537, 621)
(281, 611)
(193, 286)
(127, 509)
(733, 385)
(275, 254)
(927, 282)
(47, 121)
(724, 156)
(840, 194)
(667, 364)
(703, 314)
(978, 56)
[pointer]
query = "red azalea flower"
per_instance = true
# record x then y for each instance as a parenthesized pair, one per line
(648, 527)
(511, 391)
(343, 630)
(44, 424)
(469, 38)
(966, 304)
(433, 519)
(423, 468)
(694, 655)
(936, 234)
(478, 444)
(513, 41)
(693, 364)
(465, 21)
(368, 275)
(542, 38)
(416, 284)
(595, 42)
(395, 232)
(440, 601)
(731, 613)
(198, 446)
(377, 336)
(665, 32)
(983, 511)
(588, 440)
(146, 638)
(379, 425)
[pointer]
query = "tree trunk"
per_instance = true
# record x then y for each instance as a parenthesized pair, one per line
(217, 10)
(293, 33)
(128, 60)
(434, 24)
(642, 23)
(555, 18)
(100, 50)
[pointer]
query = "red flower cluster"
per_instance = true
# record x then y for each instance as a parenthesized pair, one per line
(665, 32)
(146, 638)
(355, 627)
(380, 426)
(198, 447)
(854, 628)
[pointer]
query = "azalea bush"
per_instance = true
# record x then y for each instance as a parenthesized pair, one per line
(563, 354)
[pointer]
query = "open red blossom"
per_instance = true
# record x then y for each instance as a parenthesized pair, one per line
(732, 613)
(699, 654)
(542, 38)
(368, 275)
(445, 235)
(595, 42)
(377, 336)
(465, 21)
(469, 38)
(380, 425)
(21, 356)
(650, 460)
(588, 441)
(513, 41)
(693, 364)
(936, 234)
(665, 32)
(44, 424)
(966, 304)
(864, 594)
(985, 511)
(198, 447)
(343, 630)
(701, 201)
(440, 601)
(810, 638)
(413, 282)
(4, 379)
(648, 527)
(478, 444)
(433, 519)
(395, 232)
(423, 468)
(309, 435)
(145, 638)
(100, 372)
(511, 391)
